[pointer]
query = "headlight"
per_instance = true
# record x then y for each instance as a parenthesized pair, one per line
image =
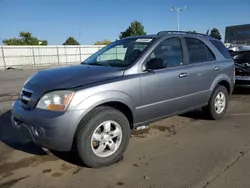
(56, 100)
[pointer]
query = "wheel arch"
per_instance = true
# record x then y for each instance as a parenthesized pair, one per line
(122, 103)
(122, 107)
(116, 99)
(226, 85)
(223, 80)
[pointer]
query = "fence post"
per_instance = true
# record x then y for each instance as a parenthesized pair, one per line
(4, 63)
(65, 54)
(34, 58)
(80, 51)
(116, 53)
(58, 58)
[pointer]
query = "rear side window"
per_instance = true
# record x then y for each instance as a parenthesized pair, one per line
(198, 51)
(220, 46)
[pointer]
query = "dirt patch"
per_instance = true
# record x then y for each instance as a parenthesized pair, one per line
(9, 167)
(66, 167)
(140, 132)
(171, 129)
(78, 169)
(47, 171)
(161, 128)
(7, 175)
(120, 183)
(5, 153)
(8, 97)
(57, 174)
(10, 183)
(135, 165)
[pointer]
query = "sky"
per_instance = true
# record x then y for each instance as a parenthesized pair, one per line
(92, 20)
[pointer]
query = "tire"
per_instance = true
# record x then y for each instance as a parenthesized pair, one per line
(211, 110)
(84, 137)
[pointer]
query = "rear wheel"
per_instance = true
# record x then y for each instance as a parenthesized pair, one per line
(218, 103)
(102, 137)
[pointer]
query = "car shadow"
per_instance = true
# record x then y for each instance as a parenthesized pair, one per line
(10, 137)
(241, 91)
(70, 157)
(195, 115)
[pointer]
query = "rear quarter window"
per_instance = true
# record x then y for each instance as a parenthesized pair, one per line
(221, 47)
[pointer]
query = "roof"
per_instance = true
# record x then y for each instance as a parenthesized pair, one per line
(172, 33)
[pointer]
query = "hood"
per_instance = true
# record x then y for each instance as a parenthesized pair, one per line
(70, 77)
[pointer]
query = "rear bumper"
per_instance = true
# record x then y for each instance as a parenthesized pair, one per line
(52, 130)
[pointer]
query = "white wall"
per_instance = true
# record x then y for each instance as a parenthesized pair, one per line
(27, 56)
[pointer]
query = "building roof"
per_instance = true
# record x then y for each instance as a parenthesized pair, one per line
(239, 26)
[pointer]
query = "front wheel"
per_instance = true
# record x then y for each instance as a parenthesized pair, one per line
(218, 103)
(102, 137)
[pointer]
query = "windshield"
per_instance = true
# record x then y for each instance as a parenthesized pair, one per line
(121, 53)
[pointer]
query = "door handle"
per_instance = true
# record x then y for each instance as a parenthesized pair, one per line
(216, 68)
(182, 75)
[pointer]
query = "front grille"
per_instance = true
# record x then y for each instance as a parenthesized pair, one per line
(26, 93)
(25, 97)
(24, 102)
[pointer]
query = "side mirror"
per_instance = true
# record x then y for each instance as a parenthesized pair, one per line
(154, 64)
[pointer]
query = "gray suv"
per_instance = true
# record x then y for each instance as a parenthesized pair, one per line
(93, 106)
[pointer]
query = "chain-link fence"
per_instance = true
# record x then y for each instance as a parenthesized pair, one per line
(37, 56)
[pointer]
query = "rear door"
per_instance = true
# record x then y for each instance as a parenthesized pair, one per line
(202, 69)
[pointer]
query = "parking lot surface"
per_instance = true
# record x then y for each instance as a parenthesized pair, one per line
(178, 152)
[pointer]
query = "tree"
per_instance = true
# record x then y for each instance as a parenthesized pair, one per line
(215, 33)
(103, 42)
(26, 38)
(71, 41)
(43, 42)
(135, 28)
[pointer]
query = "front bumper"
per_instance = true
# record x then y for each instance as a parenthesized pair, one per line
(52, 130)
(242, 81)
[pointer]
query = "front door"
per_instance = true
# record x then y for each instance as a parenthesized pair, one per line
(163, 88)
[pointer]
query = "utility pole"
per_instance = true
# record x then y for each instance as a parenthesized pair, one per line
(178, 10)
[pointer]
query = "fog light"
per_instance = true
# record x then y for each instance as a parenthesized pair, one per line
(38, 131)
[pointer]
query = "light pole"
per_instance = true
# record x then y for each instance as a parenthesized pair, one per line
(178, 10)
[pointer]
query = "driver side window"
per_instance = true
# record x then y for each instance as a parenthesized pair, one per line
(167, 54)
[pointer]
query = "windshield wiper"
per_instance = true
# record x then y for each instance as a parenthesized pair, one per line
(97, 63)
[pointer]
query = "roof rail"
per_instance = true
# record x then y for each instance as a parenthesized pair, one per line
(179, 32)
